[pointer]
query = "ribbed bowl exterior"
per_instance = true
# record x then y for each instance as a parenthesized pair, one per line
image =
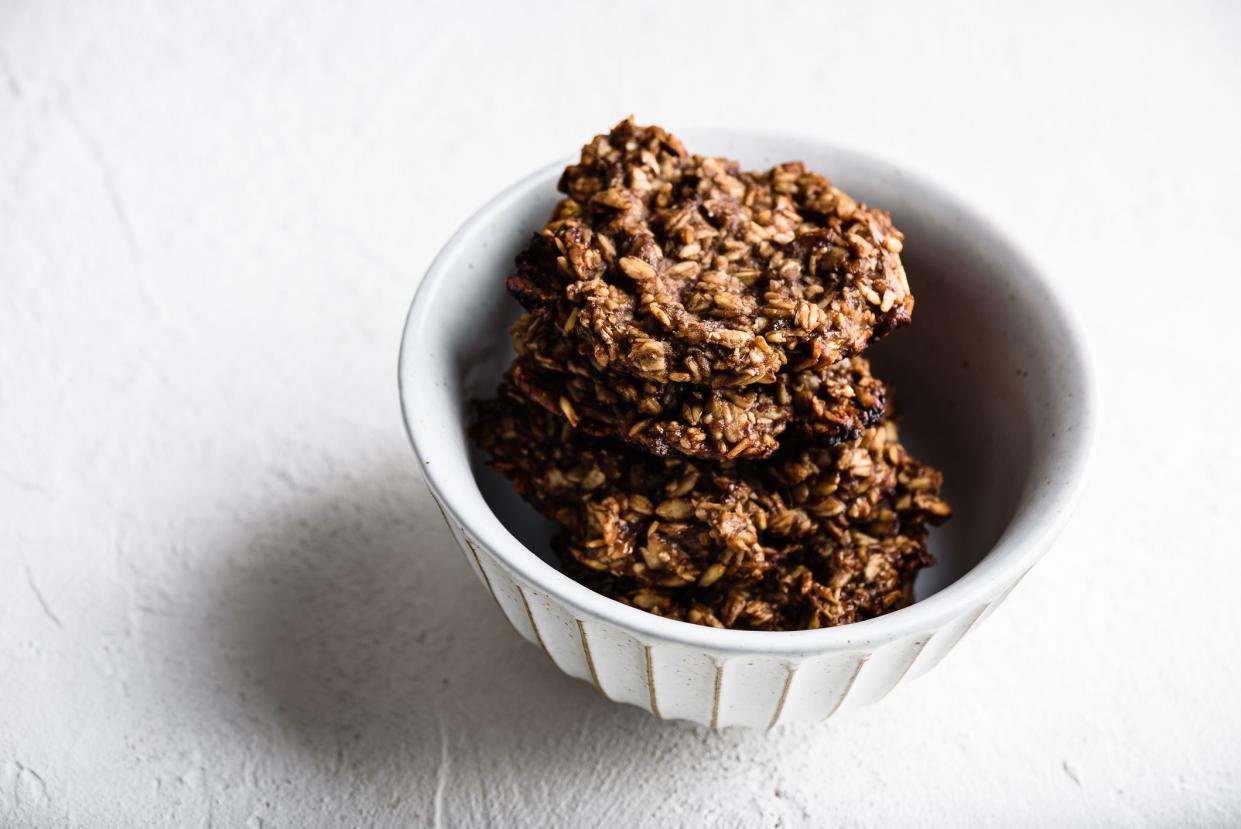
(672, 681)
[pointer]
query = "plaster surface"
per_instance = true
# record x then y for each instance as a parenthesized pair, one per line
(227, 599)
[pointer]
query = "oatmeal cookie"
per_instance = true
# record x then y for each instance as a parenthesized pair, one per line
(810, 537)
(678, 268)
(833, 404)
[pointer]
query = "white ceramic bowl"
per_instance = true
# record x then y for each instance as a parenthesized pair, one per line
(996, 387)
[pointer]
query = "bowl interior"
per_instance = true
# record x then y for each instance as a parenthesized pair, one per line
(986, 376)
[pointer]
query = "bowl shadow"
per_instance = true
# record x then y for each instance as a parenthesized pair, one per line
(360, 641)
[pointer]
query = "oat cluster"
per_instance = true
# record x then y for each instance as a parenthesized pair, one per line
(688, 401)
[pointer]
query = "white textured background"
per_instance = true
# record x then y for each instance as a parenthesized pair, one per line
(226, 600)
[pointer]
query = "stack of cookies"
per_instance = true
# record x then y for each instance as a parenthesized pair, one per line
(689, 402)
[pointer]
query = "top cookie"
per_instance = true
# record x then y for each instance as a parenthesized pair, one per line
(678, 268)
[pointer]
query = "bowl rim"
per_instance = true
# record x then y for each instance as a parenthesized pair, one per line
(1018, 548)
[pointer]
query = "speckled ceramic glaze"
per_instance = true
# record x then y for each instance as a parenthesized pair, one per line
(996, 390)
